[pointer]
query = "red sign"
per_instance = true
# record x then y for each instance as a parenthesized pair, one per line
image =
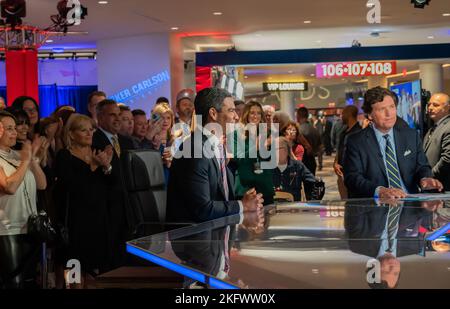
(349, 69)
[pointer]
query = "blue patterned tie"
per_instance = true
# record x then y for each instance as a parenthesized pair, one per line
(391, 165)
(392, 225)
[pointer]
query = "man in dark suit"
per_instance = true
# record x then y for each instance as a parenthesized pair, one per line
(386, 233)
(120, 216)
(437, 140)
(351, 126)
(200, 184)
(385, 159)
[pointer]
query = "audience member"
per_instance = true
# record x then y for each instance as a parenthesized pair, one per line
(185, 106)
(20, 177)
(247, 155)
(30, 106)
(93, 100)
(313, 138)
(22, 126)
(239, 104)
(127, 121)
(121, 220)
(81, 191)
(162, 100)
(269, 112)
(437, 140)
(351, 125)
(141, 130)
(290, 173)
(2, 103)
(291, 132)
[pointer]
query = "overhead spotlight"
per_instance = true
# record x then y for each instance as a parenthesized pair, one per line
(420, 4)
(61, 21)
(13, 11)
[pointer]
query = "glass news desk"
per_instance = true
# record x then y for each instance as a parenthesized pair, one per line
(329, 244)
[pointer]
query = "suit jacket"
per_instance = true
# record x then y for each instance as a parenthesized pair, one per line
(364, 168)
(437, 150)
(206, 250)
(119, 208)
(195, 191)
(364, 227)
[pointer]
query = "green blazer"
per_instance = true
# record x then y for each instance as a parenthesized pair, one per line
(246, 178)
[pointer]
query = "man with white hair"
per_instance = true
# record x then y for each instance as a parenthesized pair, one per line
(269, 111)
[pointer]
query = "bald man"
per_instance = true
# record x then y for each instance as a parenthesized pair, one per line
(437, 141)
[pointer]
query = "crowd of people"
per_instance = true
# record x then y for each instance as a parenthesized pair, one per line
(69, 165)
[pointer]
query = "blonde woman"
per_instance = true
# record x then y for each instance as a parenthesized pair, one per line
(81, 192)
(161, 135)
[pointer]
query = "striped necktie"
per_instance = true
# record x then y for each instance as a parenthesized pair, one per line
(116, 145)
(392, 225)
(391, 166)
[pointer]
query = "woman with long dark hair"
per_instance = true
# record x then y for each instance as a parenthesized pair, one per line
(247, 154)
(20, 177)
(30, 106)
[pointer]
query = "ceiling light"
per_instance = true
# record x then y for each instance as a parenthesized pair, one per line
(446, 14)
(245, 76)
(174, 28)
(313, 75)
(307, 22)
(217, 13)
(290, 72)
(49, 41)
(430, 37)
(103, 2)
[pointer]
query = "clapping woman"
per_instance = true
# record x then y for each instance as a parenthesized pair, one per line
(81, 194)
(20, 177)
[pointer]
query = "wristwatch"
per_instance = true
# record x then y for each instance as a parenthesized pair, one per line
(107, 170)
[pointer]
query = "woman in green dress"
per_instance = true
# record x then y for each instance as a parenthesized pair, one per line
(248, 156)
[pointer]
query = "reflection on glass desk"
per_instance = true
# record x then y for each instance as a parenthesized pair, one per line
(334, 244)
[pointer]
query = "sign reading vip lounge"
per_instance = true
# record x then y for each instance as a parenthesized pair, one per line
(290, 86)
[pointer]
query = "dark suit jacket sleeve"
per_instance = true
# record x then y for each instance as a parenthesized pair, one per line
(354, 170)
(442, 167)
(198, 195)
(423, 168)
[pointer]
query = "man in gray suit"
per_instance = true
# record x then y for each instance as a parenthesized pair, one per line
(437, 140)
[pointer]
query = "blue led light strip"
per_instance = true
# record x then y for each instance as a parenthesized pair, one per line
(435, 235)
(217, 284)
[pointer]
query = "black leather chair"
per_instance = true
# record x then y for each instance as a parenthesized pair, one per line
(144, 179)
